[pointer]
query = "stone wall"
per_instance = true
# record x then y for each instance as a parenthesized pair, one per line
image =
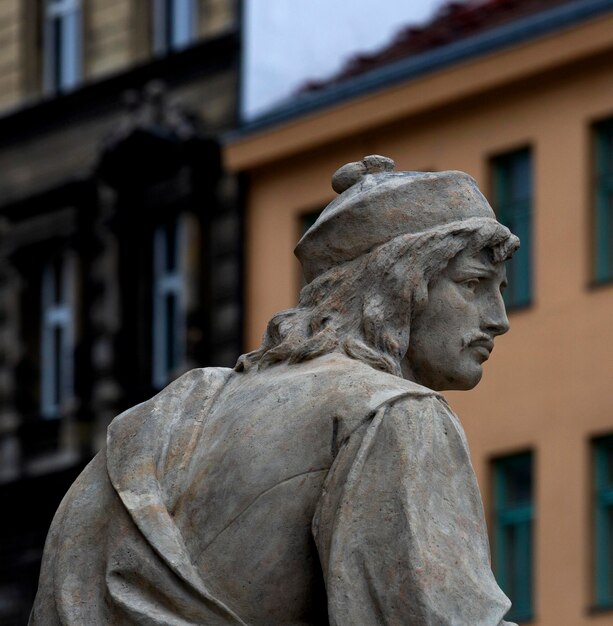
(116, 36)
(11, 67)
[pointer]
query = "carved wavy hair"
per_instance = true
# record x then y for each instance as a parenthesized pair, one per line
(363, 308)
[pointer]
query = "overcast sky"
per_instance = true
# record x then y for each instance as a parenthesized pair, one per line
(288, 42)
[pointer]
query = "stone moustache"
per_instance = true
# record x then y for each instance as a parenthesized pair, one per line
(323, 480)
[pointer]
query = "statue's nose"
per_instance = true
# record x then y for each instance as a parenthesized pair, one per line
(495, 318)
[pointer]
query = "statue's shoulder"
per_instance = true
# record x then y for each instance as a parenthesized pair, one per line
(353, 394)
(340, 366)
(352, 382)
(176, 406)
(195, 378)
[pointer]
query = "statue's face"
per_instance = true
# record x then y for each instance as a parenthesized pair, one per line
(454, 334)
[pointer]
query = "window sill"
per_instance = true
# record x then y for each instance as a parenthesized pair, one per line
(599, 283)
(601, 607)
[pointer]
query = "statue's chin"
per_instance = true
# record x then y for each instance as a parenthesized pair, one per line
(464, 376)
(465, 383)
(465, 380)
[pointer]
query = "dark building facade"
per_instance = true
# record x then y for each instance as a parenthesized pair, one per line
(120, 268)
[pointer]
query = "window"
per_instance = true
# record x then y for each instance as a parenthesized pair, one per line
(603, 521)
(603, 218)
(57, 336)
(168, 302)
(61, 45)
(174, 24)
(513, 530)
(512, 194)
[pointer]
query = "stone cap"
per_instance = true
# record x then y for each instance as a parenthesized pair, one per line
(377, 204)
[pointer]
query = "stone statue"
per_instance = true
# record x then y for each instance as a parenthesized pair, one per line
(323, 480)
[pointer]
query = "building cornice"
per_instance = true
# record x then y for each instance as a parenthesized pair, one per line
(100, 95)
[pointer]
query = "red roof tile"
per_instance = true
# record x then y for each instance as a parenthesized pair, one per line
(453, 22)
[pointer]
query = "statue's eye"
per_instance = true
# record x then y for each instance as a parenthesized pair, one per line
(471, 284)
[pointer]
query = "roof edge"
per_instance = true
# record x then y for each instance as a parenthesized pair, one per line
(505, 36)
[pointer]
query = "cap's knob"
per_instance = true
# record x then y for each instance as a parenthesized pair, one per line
(351, 173)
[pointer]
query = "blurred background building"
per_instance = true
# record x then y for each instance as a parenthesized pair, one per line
(134, 247)
(519, 93)
(120, 234)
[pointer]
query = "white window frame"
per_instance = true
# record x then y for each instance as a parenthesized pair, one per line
(168, 283)
(174, 24)
(57, 317)
(67, 51)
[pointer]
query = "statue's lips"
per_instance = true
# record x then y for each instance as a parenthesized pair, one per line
(482, 346)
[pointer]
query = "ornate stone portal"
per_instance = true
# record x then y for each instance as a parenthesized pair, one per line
(323, 480)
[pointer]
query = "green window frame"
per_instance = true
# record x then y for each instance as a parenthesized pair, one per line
(603, 199)
(513, 532)
(512, 200)
(603, 521)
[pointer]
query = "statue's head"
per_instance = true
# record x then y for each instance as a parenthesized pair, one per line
(404, 271)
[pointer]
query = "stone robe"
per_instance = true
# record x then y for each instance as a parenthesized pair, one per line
(320, 493)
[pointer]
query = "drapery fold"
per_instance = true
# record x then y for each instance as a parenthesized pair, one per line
(400, 528)
(130, 564)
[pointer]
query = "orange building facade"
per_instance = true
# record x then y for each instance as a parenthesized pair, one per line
(547, 393)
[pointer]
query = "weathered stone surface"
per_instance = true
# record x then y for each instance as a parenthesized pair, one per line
(324, 479)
